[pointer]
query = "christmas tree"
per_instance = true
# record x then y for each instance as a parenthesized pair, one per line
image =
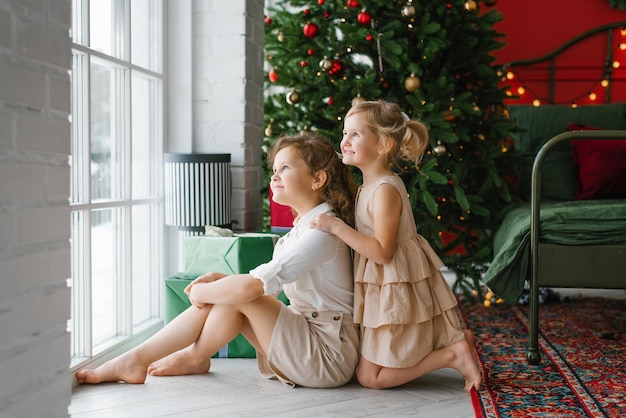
(433, 59)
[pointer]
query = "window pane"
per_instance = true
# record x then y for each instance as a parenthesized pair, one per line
(78, 22)
(105, 158)
(79, 160)
(104, 274)
(145, 38)
(142, 137)
(106, 27)
(143, 230)
(117, 146)
(80, 304)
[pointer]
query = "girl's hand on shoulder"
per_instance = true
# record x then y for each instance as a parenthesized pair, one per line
(325, 223)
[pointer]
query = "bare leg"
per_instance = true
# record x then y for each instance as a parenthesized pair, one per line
(457, 356)
(182, 362)
(131, 367)
(192, 360)
(221, 326)
(469, 337)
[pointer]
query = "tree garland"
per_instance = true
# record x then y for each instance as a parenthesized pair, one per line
(617, 4)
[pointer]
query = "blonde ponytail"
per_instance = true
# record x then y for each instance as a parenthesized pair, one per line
(390, 124)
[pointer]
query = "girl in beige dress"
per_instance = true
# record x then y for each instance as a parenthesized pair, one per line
(403, 304)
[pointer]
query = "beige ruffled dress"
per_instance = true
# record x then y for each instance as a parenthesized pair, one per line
(406, 308)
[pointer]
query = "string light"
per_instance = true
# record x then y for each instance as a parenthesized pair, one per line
(519, 89)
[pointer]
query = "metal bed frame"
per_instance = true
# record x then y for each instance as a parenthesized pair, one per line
(567, 266)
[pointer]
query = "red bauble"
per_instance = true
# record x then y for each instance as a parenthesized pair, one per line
(273, 76)
(364, 18)
(268, 21)
(311, 51)
(336, 69)
(303, 64)
(448, 116)
(311, 30)
(330, 101)
(352, 3)
(306, 12)
(320, 1)
(369, 37)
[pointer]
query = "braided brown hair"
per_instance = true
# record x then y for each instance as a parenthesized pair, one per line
(339, 191)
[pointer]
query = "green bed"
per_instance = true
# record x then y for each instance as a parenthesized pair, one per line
(571, 172)
(566, 243)
(579, 224)
(580, 241)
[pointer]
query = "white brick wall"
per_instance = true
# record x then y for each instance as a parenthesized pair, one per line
(220, 111)
(228, 41)
(35, 142)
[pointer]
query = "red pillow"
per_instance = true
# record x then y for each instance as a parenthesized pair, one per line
(601, 168)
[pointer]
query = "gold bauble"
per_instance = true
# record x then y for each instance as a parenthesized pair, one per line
(471, 5)
(412, 83)
(440, 149)
(269, 131)
(326, 64)
(292, 97)
(408, 11)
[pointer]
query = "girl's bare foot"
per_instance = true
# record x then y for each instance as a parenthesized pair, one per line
(125, 368)
(465, 364)
(180, 363)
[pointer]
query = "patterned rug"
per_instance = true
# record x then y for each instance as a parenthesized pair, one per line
(583, 359)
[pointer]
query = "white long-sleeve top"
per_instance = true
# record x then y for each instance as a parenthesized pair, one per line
(312, 267)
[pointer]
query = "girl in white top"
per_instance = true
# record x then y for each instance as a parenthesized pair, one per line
(312, 342)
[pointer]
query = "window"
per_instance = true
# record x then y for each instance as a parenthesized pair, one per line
(117, 148)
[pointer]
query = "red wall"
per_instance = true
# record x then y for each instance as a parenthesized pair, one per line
(534, 28)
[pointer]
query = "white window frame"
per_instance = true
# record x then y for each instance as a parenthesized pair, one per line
(125, 331)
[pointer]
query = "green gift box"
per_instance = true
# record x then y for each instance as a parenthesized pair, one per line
(230, 255)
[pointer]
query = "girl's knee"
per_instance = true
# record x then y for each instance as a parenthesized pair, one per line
(368, 380)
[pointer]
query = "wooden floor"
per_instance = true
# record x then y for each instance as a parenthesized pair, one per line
(234, 388)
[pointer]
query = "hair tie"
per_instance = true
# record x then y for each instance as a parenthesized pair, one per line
(405, 117)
